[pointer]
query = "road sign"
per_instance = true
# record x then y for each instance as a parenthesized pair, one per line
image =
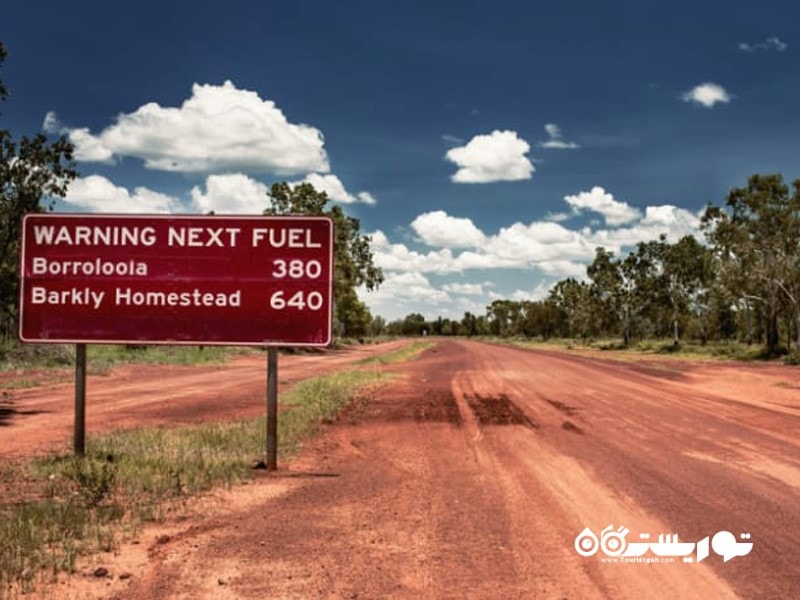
(263, 281)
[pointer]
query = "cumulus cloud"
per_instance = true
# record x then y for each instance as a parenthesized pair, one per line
(544, 247)
(366, 198)
(220, 128)
(88, 148)
(465, 289)
(537, 244)
(540, 292)
(437, 228)
(97, 194)
(671, 220)
(233, 193)
(398, 257)
(403, 293)
(557, 140)
(598, 200)
(770, 44)
(413, 286)
(499, 156)
(708, 94)
(333, 186)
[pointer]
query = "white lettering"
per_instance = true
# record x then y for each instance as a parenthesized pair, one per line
(94, 235)
(70, 297)
(197, 237)
(129, 297)
(96, 267)
(292, 237)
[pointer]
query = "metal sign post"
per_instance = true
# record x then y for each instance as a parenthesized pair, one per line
(79, 439)
(272, 409)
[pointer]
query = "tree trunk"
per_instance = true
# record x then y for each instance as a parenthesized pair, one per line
(773, 339)
(797, 325)
(748, 321)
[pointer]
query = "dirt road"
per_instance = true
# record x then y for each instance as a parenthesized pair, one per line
(475, 471)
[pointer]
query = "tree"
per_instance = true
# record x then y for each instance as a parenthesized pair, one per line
(757, 239)
(690, 268)
(353, 259)
(413, 324)
(502, 316)
(578, 305)
(31, 170)
(615, 284)
(672, 279)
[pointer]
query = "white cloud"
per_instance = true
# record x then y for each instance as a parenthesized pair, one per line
(218, 129)
(397, 257)
(537, 244)
(547, 249)
(557, 217)
(771, 43)
(671, 220)
(452, 139)
(499, 156)
(599, 201)
(333, 186)
(546, 246)
(413, 286)
(404, 293)
(366, 198)
(87, 147)
(708, 94)
(465, 289)
(233, 193)
(538, 293)
(97, 194)
(557, 140)
(437, 228)
(543, 246)
(51, 124)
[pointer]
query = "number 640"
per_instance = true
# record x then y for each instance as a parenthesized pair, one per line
(299, 300)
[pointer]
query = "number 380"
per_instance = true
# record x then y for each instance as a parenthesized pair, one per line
(296, 269)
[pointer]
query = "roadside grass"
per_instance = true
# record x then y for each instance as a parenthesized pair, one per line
(63, 507)
(16, 357)
(403, 354)
(615, 349)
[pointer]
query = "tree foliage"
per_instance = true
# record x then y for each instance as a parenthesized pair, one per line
(742, 281)
(353, 257)
(33, 171)
(758, 243)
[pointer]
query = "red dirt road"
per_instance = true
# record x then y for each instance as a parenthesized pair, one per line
(472, 474)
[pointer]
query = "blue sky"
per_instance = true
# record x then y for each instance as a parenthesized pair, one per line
(488, 147)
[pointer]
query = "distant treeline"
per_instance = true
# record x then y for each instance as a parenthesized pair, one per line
(742, 283)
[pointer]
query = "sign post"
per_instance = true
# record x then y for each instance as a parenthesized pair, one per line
(79, 437)
(166, 279)
(272, 409)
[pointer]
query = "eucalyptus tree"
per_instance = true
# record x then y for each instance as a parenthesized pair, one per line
(33, 171)
(578, 303)
(615, 283)
(675, 279)
(757, 238)
(354, 264)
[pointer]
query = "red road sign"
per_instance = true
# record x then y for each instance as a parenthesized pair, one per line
(263, 281)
